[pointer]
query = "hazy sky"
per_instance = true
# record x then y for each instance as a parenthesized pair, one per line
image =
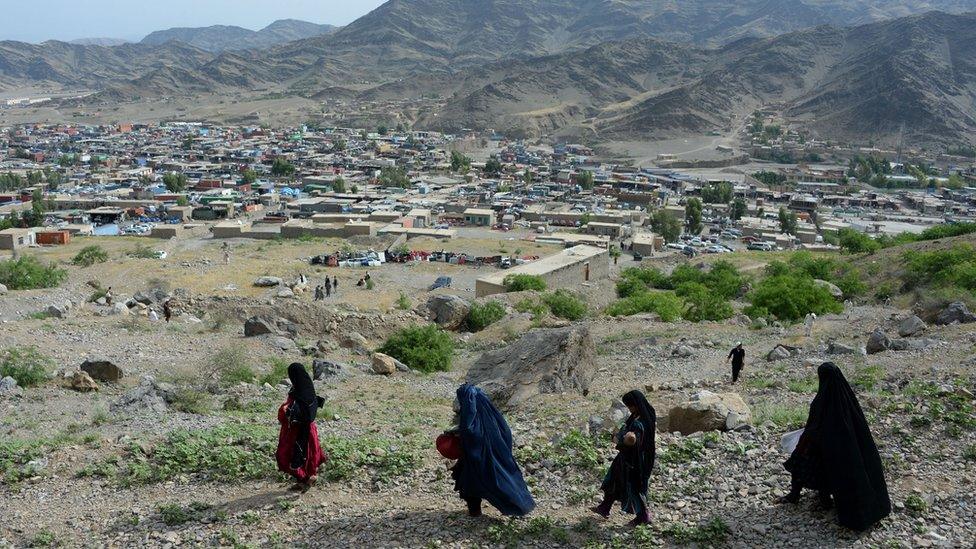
(39, 20)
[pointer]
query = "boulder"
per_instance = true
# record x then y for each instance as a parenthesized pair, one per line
(282, 343)
(148, 396)
(3, 290)
(911, 326)
(541, 362)
(707, 411)
(83, 383)
(102, 370)
(878, 342)
(913, 344)
(259, 325)
(835, 348)
(353, 340)
(955, 312)
(384, 365)
(782, 352)
(59, 311)
(683, 351)
(448, 311)
(322, 369)
(140, 297)
(832, 288)
(285, 293)
(268, 282)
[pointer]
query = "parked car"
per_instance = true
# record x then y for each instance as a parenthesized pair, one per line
(716, 249)
(761, 246)
(689, 251)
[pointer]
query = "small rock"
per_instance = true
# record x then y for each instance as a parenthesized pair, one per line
(102, 370)
(683, 351)
(384, 364)
(268, 282)
(955, 312)
(835, 348)
(83, 383)
(878, 342)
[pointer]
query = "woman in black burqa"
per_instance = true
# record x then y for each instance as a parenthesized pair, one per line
(630, 471)
(836, 455)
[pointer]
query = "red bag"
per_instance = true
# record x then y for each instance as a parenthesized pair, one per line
(449, 446)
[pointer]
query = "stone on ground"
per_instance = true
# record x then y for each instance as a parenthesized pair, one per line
(148, 396)
(911, 326)
(384, 365)
(878, 342)
(102, 369)
(955, 312)
(541, 362)
(832, 288)
(782, 352)
(83, 383)
(707, 411)
(268, 282)
(448, 311)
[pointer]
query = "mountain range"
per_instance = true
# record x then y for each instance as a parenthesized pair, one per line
(218, 38)
(612, 69)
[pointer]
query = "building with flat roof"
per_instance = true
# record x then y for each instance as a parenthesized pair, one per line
(14, 239)
(647, 243)
(479, 217)
(569, 268)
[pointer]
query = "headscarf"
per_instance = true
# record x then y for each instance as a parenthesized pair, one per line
(303, 392)
(488, 469)
(648, 417)
(850, 466)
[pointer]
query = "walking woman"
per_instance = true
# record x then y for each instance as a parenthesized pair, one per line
(836, 456)
(486, 469)
(299, 453)
(630, 471)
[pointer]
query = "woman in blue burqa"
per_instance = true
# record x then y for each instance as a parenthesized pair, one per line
(487, 468)
(836, 456)
(630, 471)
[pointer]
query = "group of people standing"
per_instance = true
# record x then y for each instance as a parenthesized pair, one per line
(323, 291)
(836, 454)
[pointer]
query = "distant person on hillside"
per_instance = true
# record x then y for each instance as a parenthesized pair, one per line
(328, 287)
(367, 277)
(361, 283)
(837, 456)
(318, 294)
(167, 310)
(630, 471)
(335, 284)
(299, 453)
(486, 469)
(108, 296)
(808, 323)
(738, 357)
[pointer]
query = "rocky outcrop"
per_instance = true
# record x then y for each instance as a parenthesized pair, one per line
(782, 352)
(541, 362)
(707, 411)
(268, 282)
(384, 365)
(101, 369)
(955, 312)
(262, 325)
(837, 348)
(322, 369)
(448, 311)
(148, 396)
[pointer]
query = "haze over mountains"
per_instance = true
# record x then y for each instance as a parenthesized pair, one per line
(859, 70)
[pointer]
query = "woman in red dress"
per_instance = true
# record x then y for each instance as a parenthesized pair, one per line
(299, 453)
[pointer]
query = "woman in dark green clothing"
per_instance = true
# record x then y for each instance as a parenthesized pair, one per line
(630, 471)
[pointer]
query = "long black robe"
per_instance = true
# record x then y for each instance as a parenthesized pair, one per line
(629, 475)
(837, 454)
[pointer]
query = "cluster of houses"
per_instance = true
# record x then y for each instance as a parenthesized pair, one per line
(176, 179)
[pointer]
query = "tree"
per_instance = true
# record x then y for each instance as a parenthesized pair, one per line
(787, 222)
(54, 179)
(35, 217)
(182, 201)
(693, 216)
(382, 129)
(770, 178)
(339, 145)
(527, 176)
(282, 168)
(717, 193)
(738, 209)
(394, 177)
(493, 168)
(175, 182)
(855, 242)
(459, 162)
(585, 180)
(339, 185)
(249, 176)
(188, 143)
(66, 160)
(667, 225)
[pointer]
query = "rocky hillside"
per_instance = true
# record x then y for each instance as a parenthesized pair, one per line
(864, 82)
(227, 37)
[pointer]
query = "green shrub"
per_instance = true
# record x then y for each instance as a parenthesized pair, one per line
(723, 278)
(403, 302)
(851, 284)
(791, 297)
(141, 251)
(423, 348)
(856, 242)
(229, 364)
(702, 303)
(534, 306)
(27, 273)
(629, 286)
(665, 304)
(384, 458)
(483, 315)
(523, 283)
(564, 304)
(783, 416)
(191, 401)
(90, 255)
(27, 365)
(816, 267)
(953, 267)
(712, 532)
(278, 372)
